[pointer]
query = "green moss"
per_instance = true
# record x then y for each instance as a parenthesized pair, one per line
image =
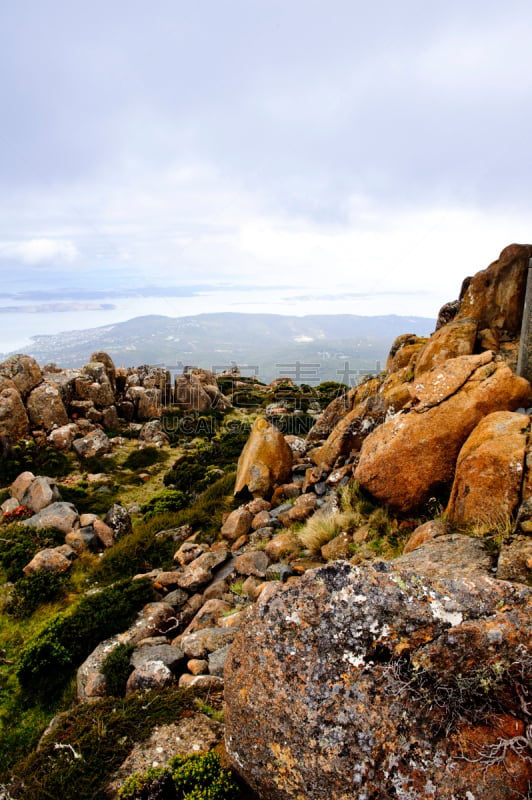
(195, 777)
(168, 500)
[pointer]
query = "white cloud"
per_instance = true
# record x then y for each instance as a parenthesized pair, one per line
(40, 251)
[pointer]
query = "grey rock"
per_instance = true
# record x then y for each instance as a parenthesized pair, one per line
(217, 661)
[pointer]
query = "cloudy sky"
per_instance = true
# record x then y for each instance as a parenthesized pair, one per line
(296, 156)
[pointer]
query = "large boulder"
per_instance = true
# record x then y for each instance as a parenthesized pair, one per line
(265, 461)
(411, 456)
(489, 471)
(147, 402)
(23, 370)
(455, 339)
(45, 406)
(381, 682)
(14, 423)
(495, 296)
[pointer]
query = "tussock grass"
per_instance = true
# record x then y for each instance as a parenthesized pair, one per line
(319, 530)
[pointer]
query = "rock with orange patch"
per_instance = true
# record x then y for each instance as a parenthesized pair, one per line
(404, 348)
(265, 461)
(455, 339)
(359, 682)
(495, 296)
(410, 457)
(351, 431)
(489, 471)
(424, 533)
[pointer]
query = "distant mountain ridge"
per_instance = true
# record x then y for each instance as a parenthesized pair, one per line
(265, 344)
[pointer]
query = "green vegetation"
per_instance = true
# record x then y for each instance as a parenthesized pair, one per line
(78, 758)
(140, 459)
(116, 668)
(27, 455)
(33, 590)
(95, 498)
(168, 500)
(20, 543)
(48, 658)
(195, 777)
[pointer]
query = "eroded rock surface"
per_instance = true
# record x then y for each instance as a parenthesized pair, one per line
(379, 682)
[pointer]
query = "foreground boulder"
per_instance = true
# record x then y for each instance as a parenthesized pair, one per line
(409, 458)
(265, 461)
(378, 682)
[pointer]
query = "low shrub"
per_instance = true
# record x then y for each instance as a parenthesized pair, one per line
(139, 459)
(186, 475)
(25, 455)
(33, 590)
(20, 543)
(116, 668)
(168, 500)
(195, 777)
(17, 515)
(64, 642)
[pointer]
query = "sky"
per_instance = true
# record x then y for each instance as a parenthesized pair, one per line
(285, 156)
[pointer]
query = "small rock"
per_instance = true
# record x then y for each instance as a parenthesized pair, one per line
(254, 562)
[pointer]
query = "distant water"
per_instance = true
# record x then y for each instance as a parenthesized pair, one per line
(16, 327)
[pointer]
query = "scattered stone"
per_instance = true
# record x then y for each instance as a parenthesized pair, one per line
(217, 661)
(52, 559)
(119, 520)
(237, 524)
(188, 552)
(198, 666)
(62, 516)
(515, 560)
(93, 445)
(253, 562)
(423, 533)
(284, 545)
(40, 493)
(149, 675)
(104, 533)
(169, 655)
(20, 485)
(205, 641)
(199, 572)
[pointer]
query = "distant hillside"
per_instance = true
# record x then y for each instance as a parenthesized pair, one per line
(269, 345)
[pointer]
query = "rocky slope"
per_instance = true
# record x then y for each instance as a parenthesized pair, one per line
(349, 673)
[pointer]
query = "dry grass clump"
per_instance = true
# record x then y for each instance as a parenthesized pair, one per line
(319, 530)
